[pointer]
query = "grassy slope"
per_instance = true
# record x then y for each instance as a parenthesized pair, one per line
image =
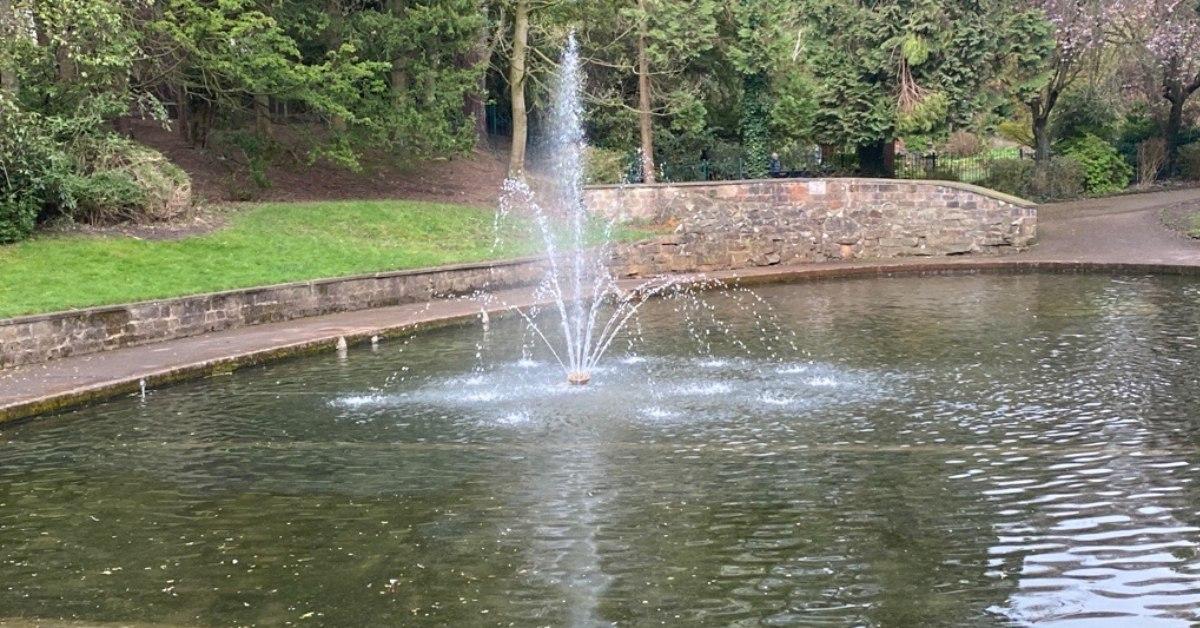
(266, 244)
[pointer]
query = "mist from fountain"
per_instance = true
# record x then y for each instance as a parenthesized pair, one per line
(591, 306)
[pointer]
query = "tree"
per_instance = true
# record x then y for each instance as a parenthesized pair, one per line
(1050, 42)
(759, 43)
(1168, 33)
(517, 77)
(898, 67)
(9, 32)
(428, 46)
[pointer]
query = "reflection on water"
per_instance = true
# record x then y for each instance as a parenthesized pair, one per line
(937, 451)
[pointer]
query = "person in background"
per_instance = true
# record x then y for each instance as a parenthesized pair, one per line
(775, 166)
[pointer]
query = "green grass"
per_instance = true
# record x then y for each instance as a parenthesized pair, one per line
(1192, 224)
(263, 244)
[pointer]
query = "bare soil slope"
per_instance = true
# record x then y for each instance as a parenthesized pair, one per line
(471, 179)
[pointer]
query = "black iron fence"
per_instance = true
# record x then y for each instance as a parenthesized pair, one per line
(971, 169)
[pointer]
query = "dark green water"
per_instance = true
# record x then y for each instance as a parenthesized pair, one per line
(954, 451)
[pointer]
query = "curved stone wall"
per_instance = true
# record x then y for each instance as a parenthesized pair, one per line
(742, 224)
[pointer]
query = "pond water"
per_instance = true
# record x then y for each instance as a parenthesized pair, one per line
(971, 450)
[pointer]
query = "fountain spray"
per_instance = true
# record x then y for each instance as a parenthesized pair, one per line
(590, 305)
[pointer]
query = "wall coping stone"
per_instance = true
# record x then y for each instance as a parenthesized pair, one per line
(958, 185)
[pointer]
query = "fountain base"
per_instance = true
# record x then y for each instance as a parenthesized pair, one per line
(579, 378)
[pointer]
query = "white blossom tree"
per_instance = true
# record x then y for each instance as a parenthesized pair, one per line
(1167, 32)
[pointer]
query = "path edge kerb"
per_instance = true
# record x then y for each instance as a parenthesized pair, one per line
(29, 408)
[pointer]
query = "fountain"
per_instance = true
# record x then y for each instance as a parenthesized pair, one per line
(591, 305)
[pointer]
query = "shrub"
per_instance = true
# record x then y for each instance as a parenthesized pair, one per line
(1135, 129)
(1085, 112)
(29, 166)
(1105, 171)
(604, 165)
(116, 179)
(17, 217)
(1018, 131)
(1061, 178)
(104, 196)
(962, 144)
(50, 167)
(1058, 179)
(252, 151)
(1151, 157)
(1011, 176)
(1189, 161)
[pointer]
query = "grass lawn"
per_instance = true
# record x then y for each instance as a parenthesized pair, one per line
(1192, 225)
(262, 244)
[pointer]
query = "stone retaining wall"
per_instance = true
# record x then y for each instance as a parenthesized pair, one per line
(718, 226)
(34, 339)
(743, 224)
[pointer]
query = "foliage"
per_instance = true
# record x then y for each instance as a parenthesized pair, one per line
(793, 104)
(1189, 161)
(605, 165)
(1136, 127)
(962, 144)
(27, 163)
(1105, 171)
(1056, 179)
(1151, 157)
(1018, 131)
(69, 166)
(1085, 112)
(123, 180)
(913, 67)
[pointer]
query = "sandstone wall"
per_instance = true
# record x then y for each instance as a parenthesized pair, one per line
(741, 224)
(33, 339)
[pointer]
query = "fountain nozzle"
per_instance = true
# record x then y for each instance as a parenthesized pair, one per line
(579, 378)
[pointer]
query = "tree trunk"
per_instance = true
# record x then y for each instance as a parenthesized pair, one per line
(333, 41)
(516, 85)
(8, 29)
(262, 116)
(183, 122)
(1177, 98)
(645, 121)
(1041, 138)
(474, 106)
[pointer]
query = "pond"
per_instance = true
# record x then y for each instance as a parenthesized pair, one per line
(957, 450)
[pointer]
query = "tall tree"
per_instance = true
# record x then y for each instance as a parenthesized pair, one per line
(517, 78)
(645, 114)
(898, 67)
(1168, 33)
(8, 63)
(1050, 43)
(757, 46)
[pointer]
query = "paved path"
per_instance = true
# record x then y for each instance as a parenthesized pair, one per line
(1121, 230)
